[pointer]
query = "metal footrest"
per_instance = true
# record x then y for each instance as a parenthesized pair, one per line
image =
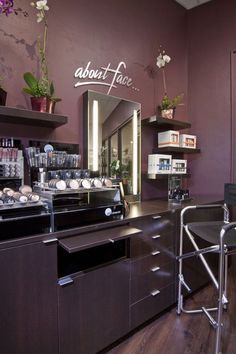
(210, 318)
(198, 252)
(181, 279)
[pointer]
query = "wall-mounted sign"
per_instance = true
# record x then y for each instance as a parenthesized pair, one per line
(105, 76)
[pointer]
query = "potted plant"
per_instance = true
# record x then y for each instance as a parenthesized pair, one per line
(42, 98)
(41, 89)
(167, 106)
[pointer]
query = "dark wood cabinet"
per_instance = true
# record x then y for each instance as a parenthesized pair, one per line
(94, 309)
(28, 299)
(153, 267)
(94, 270)
(91, 286)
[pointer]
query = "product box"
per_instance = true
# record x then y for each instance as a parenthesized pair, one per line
(168, 138)
(179, 166)
(188, 141)
(159, 164)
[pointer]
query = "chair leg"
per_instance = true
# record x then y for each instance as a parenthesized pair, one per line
(225, 281)
(221, 294)
(180, 296)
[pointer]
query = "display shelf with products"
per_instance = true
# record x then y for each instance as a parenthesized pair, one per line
(165, 123)
(177, 152)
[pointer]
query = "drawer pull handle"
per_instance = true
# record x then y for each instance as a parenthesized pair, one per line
(156, 236)
(155, 269)
(155, 292)
(156, 217)
(65, 281)
(155, 253)
(50, 241)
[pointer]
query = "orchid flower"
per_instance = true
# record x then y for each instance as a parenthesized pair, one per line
(162, 60)
(42, 5)
(7, 8)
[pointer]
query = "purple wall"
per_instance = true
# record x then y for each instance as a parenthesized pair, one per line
(100, 32)
(211, 31)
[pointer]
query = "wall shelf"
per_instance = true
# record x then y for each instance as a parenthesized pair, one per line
(162, 176)
(12, 115)
(173, 149)
(165, 124)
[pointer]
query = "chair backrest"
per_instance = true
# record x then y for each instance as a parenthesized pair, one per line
(230, 194)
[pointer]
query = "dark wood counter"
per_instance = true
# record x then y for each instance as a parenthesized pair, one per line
(160, 206)
(84, 288)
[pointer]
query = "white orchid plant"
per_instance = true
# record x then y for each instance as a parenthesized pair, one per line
(41, 87)
(166, 103)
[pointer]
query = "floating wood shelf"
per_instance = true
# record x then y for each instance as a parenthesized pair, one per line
(161, 176)
(173, 149)
(14, 115)
(165, 176)
(164, 123)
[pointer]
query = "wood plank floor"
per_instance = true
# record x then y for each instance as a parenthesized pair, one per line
(185, 334)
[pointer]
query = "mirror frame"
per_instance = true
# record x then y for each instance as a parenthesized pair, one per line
(86, 111)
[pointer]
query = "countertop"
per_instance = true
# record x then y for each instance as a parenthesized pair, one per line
(161, 205)
(137, 210)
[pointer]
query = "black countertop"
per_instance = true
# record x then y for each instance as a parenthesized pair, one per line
(137, 210)
(151, 207)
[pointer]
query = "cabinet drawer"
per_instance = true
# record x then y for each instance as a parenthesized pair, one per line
(157, 277)
(152, 305)
(145, 245)
(143, 265)
(157, 224)
(158, 234)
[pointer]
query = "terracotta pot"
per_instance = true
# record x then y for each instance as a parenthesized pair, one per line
(3, 97)
(168, 113)
(42, 104)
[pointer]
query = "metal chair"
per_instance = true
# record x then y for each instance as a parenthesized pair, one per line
(221, 236)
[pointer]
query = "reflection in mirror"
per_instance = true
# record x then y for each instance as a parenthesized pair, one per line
(112, 140)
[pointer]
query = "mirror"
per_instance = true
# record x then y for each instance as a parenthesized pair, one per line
(112, 140)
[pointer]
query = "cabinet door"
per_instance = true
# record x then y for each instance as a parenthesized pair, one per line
(94, 309)
(28, 300)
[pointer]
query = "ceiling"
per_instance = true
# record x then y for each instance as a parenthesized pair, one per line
(189, 4)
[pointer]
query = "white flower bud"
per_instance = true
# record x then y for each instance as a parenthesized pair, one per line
(40, 16)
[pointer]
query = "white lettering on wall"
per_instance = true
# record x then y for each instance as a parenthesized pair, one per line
(104, 75)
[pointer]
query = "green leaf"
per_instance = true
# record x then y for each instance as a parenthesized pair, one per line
(55, 99)
(28, 91)
(31, 81)
(52, 90)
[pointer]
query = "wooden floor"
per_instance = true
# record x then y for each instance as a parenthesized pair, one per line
(185, 334)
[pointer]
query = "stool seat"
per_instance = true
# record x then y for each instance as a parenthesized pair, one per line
(210, 232)
(221, 238)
